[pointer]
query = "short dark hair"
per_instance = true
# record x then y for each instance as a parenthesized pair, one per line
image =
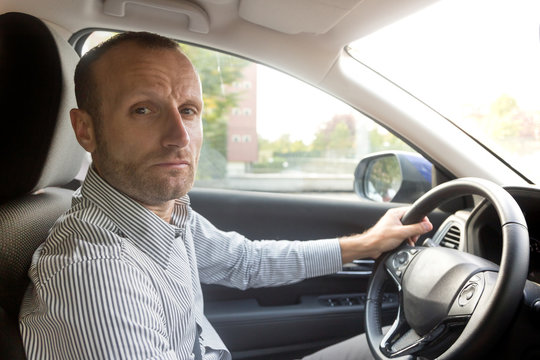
(85, 84)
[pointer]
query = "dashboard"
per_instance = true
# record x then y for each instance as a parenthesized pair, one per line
(478, 231)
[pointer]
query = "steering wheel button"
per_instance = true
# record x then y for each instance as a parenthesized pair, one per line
(466, 294)
(469, 293)
(401, 259)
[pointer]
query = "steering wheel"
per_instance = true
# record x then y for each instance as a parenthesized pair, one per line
(451, 304)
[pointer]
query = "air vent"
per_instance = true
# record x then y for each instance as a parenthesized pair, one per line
(451, 238)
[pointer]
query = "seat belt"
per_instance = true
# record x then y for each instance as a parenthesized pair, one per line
(197, 344)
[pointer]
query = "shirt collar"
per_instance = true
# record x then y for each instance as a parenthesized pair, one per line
(145, 229)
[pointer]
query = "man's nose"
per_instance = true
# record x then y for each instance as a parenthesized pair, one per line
(177, 134)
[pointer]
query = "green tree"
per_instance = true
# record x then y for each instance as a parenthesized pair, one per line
(282, 145)
(274, 154)
(385, 177)
(336, 137)
(380, 139)
(216, 70)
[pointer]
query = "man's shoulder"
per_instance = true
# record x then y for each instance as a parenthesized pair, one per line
(85, 220)
(82, 234)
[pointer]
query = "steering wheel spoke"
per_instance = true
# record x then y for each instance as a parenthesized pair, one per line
(469, 296)
(395, 336)
(397, 263)
(403, 340)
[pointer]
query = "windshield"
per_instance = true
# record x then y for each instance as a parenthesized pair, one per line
(477, 62)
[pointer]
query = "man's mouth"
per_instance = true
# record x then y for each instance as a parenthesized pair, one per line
(175, 164)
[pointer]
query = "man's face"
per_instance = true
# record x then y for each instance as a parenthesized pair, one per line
(149, 136)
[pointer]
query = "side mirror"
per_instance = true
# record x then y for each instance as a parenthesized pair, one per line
(392, 177)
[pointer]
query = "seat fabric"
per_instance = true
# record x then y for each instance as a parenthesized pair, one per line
(39, 153)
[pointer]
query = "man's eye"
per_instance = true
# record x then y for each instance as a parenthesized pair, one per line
(187, 111)
(142, 110)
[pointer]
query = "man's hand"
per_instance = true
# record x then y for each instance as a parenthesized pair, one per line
(386, 235)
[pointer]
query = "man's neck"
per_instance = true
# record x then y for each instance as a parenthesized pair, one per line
(164, 211)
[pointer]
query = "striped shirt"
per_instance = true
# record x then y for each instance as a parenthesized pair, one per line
(115, 281)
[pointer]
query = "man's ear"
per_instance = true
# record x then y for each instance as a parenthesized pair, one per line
(83, 126)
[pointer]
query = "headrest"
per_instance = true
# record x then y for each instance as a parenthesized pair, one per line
(37, 144)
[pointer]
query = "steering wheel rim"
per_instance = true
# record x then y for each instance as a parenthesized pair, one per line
(493, 311)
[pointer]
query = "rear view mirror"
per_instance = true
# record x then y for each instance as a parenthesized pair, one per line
(392, 177)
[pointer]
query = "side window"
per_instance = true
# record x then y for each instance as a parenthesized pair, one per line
(267, 131)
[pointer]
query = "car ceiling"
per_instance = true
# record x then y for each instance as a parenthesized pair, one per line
(244, 27)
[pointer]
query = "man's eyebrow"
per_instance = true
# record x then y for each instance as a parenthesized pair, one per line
(197, 103)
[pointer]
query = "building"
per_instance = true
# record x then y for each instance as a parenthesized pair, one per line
(242, 143)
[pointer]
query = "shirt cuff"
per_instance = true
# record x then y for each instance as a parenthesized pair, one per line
(322, 257)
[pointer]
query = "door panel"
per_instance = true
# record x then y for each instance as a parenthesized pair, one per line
(293, 320)
(282, 216)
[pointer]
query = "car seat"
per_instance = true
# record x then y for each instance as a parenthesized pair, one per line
(39, 153)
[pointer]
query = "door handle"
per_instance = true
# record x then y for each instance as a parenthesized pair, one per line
(361, 267)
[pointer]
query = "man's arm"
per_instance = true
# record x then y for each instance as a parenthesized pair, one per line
(232, 260)
(386, 235)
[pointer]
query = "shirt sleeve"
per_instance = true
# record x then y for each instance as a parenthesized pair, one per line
(230, 259)
(99, 309)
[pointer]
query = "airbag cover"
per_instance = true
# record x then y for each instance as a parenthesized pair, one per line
(431, 283)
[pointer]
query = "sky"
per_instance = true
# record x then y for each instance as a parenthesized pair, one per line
(472, 51)
(281, 98)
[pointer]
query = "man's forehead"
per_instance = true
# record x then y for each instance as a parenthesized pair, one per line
(130, 57)
(128, 66)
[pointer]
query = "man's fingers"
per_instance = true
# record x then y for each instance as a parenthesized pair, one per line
(415, 230)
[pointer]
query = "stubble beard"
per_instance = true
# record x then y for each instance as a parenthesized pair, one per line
(141, 183)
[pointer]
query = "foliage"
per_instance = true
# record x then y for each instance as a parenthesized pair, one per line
(385, 177)
(380, 139)
(336, 137)
(282, 145)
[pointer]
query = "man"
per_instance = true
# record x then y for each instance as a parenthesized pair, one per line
(119, 275)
